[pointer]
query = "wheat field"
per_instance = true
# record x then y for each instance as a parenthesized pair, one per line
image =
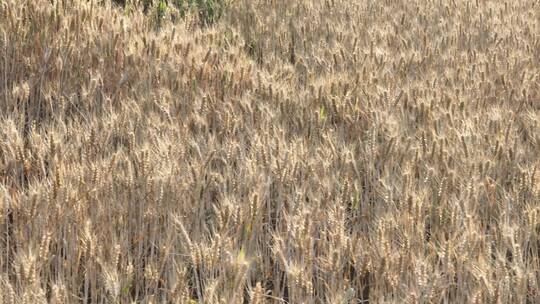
(269, 151)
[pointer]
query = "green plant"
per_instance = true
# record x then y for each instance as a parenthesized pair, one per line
(161, 10)
(208, 11)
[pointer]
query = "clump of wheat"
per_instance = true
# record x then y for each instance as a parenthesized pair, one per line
(291, 151)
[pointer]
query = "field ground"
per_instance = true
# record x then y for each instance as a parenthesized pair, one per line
(267, 151)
